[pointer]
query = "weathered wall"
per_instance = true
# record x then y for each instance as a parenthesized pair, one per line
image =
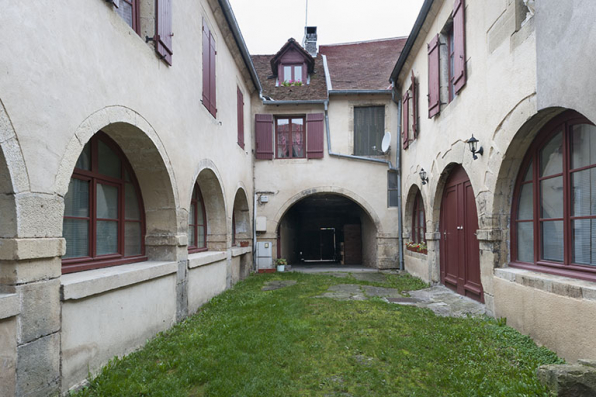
(204, 281)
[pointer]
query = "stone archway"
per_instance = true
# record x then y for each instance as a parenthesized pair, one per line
(211, 186)
(241, 225)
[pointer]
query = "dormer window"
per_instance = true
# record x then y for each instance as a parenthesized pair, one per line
(292, 64)
(292, 73)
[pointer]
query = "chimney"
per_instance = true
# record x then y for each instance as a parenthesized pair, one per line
(310, 40)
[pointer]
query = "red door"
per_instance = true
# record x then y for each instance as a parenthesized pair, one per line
(460, 259)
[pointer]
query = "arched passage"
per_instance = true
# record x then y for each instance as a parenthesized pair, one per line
(327, 227)
(241, 230)
(215, 207)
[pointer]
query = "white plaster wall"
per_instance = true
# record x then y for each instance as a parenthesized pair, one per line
(115, 323)
(204, 282)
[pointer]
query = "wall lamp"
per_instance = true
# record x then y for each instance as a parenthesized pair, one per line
(423, 176)
(473, 142)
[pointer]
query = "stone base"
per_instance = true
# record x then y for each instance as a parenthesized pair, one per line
(572, 380)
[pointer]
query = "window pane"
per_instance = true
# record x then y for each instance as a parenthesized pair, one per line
(283, 138)
(297, 73)
(107, 201)
(131, 203)
(132, 238)
(551, 156)
(191, 214)
(108, 161)
(76, 201)
(393, 198)
(584, 246)
(526, 203)
(107, 237)
(525, 242)
(392, 180)
(191, 236)
(552, 241)
(84, 161)
(583, 143)
(297, 138)
(583, 192)
(199, 209)
(551, 194)
(125, 11)
(201, 237)
(287, 73)
(528, 176)
(76, 234)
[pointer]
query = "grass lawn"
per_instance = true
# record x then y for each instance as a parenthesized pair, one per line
(286, 342)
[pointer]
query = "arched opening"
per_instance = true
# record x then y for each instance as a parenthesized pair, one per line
(215, 209)
(327, 228)
(241, 231)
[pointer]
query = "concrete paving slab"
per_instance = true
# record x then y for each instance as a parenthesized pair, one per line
(327, 268)
(371, 277)
(444, 302)
(273, 285)
(381, 292)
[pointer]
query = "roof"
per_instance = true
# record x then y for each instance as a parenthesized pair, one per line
(316, 90)
(364, 65)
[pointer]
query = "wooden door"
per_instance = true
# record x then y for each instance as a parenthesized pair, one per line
(460, 257)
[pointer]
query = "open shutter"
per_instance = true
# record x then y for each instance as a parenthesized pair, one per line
(240, 119)
(116, 3)
(264, 136)
(405, 112)
(212, 89)
(414, 103)
(163, 27)
(206, 89)
(314, 138)
(459, 46)
(434, 101)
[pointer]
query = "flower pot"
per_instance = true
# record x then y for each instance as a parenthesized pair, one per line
(244, 243)
(281, 268)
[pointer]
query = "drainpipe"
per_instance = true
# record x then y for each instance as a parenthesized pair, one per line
(398, 165)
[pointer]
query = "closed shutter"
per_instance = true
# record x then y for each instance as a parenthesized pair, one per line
(414, 104)
(434, 100)
(116, 3)
(264, 136)
(163, 22)
(405, 112)
(206, 92)
(212, 89)
(459, 46)
(314, 135)
(240, 119)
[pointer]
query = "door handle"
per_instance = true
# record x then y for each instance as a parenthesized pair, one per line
(445, 234)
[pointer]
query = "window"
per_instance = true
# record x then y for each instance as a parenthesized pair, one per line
(554, 212)
(418, 220)
(209, 90)
(292, 73)
(103, 212)
(197, 222)
(289, 137)
(392, 193)
(450, 64)
(240, 111)
(410, 113)
(369, 127)
(129, 11)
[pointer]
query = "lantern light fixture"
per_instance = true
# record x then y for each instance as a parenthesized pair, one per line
(473, 143)
(423, 176)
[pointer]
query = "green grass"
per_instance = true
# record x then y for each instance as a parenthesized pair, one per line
(247, 342)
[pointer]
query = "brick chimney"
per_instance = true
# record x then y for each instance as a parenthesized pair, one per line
(310, 40)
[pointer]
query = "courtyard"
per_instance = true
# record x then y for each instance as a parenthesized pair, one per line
(330, 334)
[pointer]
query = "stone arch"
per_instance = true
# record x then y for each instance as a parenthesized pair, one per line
(147, 155)
(209, 180)
(409, 208)
(241, 213)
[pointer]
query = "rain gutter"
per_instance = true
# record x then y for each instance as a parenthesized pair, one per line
(400, 237)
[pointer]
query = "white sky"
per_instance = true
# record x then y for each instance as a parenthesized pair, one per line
(267, 24)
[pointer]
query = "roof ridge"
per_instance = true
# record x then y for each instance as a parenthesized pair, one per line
(363, 42)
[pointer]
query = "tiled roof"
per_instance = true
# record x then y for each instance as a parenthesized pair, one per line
(316, 90)
(362, 66)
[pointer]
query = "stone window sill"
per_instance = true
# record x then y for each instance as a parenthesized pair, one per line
(205, 258)
(237, 251)
(92, 282)
(564, 286)
(9, 306)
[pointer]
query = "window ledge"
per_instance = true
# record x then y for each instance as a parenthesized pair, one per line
(564, 286)
(205, 258)
(9, 306)
(92, 282)
(237, 251)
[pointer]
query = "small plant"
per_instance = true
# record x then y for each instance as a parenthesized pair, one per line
(281, 262)
(291, 83)
(418, 247)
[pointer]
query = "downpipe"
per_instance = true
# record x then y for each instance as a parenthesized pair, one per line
(398, 164)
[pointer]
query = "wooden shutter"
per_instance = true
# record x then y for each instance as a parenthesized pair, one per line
(212, 89)
(264, 136)
(459, 46)
(240, 118)
(405, 112)
(414, 104)
(163, 27)
(315, 124)
(434, 100)
(116, 3)
(206, 67)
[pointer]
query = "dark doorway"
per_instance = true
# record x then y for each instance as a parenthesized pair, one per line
(326, 228)
(460, 257)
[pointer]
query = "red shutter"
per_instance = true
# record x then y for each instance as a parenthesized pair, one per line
(240, 119)
(206, 67)
(315, 146)
(212, 89)
(404, 120)
(434, 100)
(414, 102)
(264, 136)
(459, 46)
(163, 27)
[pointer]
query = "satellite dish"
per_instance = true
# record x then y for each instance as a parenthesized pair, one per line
(386, 144)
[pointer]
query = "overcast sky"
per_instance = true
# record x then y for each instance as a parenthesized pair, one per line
(267, 24)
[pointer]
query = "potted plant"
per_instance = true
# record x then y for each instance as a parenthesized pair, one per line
(416, 247)
(281, 264)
